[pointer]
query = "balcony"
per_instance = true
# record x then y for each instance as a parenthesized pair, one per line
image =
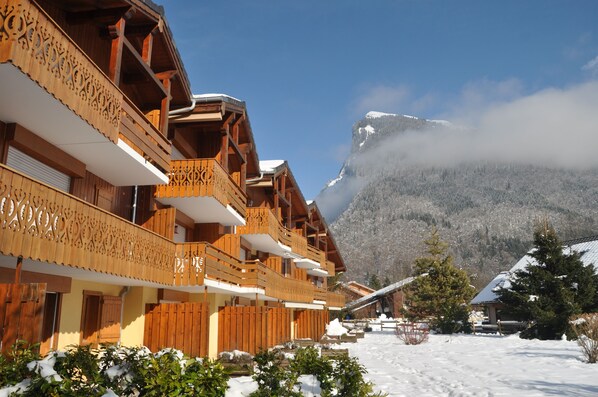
(199, 264)
(46, 227)
(335, 300)
(202, 189)
(52, 88)
(314, 261)
(265, 233)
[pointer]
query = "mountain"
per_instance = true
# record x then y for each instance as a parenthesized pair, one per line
(398, 182)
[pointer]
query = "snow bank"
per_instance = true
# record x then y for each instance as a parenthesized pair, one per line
(334, 328)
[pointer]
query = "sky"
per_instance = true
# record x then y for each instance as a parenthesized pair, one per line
(308, 70)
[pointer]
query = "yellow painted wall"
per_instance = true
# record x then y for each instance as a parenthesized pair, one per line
(134, 314)
(215, 301)
(72, 306)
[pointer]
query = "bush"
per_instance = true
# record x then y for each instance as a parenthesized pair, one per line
(308, 361)
(413, 333)
(13, 366)
(273, 380)
(585, 328)
(82, 371)
(348, 374)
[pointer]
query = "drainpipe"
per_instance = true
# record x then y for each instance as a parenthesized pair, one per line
(123, 292)
(193, 98)
(134, 212)
(256, 179)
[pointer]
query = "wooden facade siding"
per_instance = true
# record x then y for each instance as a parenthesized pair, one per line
(320, 294)
(183, 326)
(203, 178)
(33, 42)
(42, 223)
(251, 328)
(162, 222)
(21, 313)
(311, 324)
(316, 255)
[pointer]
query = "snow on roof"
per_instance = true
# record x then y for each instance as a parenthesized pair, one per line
(270, 165)
(381, 292)
(587, 248)
(216, 96)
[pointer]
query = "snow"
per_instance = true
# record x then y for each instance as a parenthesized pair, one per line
(376, 115)
(334, 328)
(368, 130)
(474, 365)
(215, 96)
(270, 165)
(337, 179)
(463, 365)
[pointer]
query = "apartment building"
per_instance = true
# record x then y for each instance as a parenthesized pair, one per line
(131, 210)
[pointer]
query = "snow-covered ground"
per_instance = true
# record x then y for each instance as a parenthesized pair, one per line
(467, 365)
(475, 365)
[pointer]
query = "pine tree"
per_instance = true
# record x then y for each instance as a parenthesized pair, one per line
(441, 292)
(374, 282)
(551, 290)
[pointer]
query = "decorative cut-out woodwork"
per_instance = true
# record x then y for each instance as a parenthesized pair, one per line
(31, 41)
(42, 223)
(203, 178)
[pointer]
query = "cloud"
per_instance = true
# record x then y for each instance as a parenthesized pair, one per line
(553, 127)
(591, 66)
(382, 98)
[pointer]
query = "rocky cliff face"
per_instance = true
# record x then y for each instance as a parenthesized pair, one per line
(387, 197)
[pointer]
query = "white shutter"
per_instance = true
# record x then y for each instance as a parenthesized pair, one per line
(38, 170)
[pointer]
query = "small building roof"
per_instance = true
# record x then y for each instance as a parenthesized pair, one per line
(587, 248)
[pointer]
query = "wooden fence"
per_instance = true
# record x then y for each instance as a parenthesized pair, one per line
(21, 313)
(183, 326)
(251, 328)
(311, 323)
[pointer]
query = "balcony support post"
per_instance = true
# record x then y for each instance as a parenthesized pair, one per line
(117, 32)
(18, 269)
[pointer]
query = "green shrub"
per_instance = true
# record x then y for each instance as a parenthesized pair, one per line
(308, 361)
(348, 374)
(273, 380)
(13, 366)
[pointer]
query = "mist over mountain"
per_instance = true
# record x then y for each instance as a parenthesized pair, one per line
(482, 182)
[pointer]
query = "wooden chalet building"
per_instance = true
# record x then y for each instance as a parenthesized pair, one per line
(132, 211)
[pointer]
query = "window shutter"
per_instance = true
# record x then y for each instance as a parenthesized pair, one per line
(38, 170)
(110, 319)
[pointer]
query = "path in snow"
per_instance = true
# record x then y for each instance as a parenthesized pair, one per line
(475, 365)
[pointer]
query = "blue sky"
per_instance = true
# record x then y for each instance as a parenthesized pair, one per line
(309, 69)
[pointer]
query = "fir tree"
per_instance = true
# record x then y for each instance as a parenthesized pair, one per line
(374, 282)
(551, 289)
(441, 292)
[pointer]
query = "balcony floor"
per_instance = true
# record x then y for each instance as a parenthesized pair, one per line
(205, 210)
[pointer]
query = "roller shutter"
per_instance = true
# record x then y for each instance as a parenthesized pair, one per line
(38, 170)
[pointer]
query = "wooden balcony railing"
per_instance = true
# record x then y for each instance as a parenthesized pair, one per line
(316, 255)
(34, 43)
(320, 294)
(298, 244)
(262, 220)
(203, 178)
(42, 223)
(139, 133)
(335, 300)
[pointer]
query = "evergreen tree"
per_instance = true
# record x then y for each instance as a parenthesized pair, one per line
(374, 282)
(551, 289)
(441, 292)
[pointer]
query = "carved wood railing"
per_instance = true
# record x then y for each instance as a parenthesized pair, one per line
(42, 223)
(261, 220)
(335, 300)
(34, 43)
(286, 288)
(203, 178)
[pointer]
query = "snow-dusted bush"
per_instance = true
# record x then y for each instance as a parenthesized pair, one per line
(585, 328)
(412, 333)
(110, 371)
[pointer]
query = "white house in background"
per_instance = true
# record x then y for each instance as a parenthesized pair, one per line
(587, 247)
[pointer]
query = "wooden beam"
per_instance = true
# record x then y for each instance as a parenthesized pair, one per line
(143, 66)
(165, 106)
(105, 16)
(148, 47)
(116, 52)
